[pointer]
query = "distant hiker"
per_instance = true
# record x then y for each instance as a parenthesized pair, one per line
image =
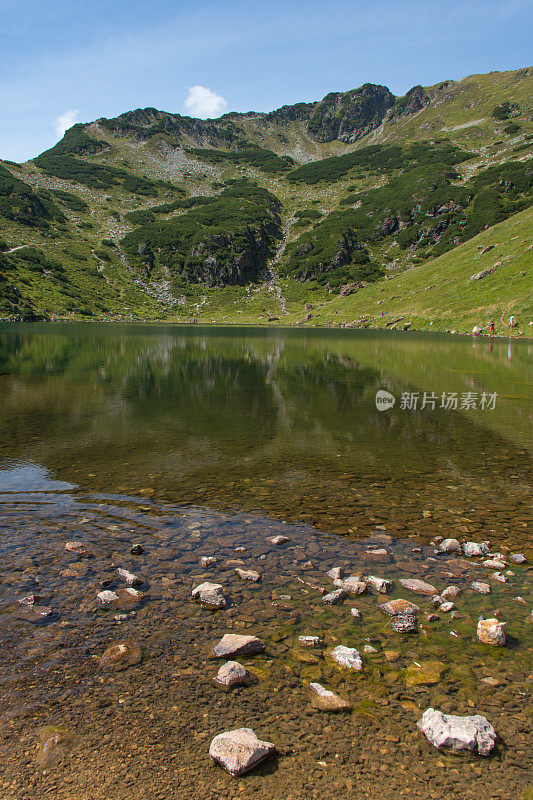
(511, 321)
(492, 328)
(477, 331)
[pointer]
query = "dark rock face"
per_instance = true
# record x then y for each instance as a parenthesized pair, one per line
(350, 115)
(415, 100)
(286, 114)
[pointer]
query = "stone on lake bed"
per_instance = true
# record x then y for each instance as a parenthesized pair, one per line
(418, 586)
(450, 546)
(278, 539)
(377, 555)
(473, 549)
(325, 700)
(347, 657)
(356, 614)
(446, 607)
(379, 584)
(78, 548)
(207, 561)
(121, 655)
(494, 563)
(332, 598)
(233, 644)
(518, 558)
(451, 593)
(424, 673)
(240, 750)
(54, 743)
(369, 649)
(482, 588)
(248, 574)
(231, 674)
(310, 641)
(399, 606)
(129, 577)
(107, 596)
(471, 734)
(404, 623)
(497, 576)
(353, 585)
(492, 631)
(209, 595)
(137, 550)
(335, 573)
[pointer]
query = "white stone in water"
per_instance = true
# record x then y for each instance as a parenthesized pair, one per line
(107, 596)
(356, 614)
(473, 549)
(336, 573)
(379, 584)
(499, 577)
(518, 558)
(325, 700)
(133, 592)
(399, 606)
(233, 644)
(450, 546)
(418, 586)
(335, 597)
(451, 592)
(437, 601)
(492, 631)
(310, 641)
(473, 734)
(353, 585)
(231, 674)
(447, 607)
(248, 574)
(369, 649)
(347, 657)
(129, 577)
(482, 588)
(210, 594)
(240, 750)
(494, 563)
(278, 539)
(207, 561)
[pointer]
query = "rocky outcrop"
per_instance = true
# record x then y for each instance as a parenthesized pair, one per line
(348, 116)
(415, 100)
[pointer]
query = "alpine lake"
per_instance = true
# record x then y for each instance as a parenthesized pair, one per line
(149, 448)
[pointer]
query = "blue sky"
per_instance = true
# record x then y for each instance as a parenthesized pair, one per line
(66, 61)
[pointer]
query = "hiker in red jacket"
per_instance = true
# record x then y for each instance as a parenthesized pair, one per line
(492, 329)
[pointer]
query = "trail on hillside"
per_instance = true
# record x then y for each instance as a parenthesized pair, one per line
(273, 281)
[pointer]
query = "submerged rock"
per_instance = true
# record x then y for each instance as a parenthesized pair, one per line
(310, 641)
(356, 614)
(404, 623)
(473, 549)
(278, 539)
(121, 655)
(425, 673)
(231, 674)
(482, 588)
(353, 585)
(335, 597)
(494, 563)
(451, 593)
(347, 657)
(233, 644)
(129, 577)
(518, 558)
(399, 606)
(335, 573)
(248, 574)
(379, 584)
(207, 561)
(240, 750)
(492, 631)
(324, 700)
(54, 743)
(450, 546)
(472, 734)
(107, 596)
(210, 595)
(418, 586)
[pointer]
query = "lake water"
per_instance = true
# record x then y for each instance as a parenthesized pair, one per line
(196, 442)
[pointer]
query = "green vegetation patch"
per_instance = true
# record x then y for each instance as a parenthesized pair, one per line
(259, 157)
(21, 203)
(378, 158)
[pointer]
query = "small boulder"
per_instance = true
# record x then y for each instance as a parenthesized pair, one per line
(231, 674)
(277, 540)
(381, 585)
(450, 546)
(310, 641)
(475, 549)
(207, 561)
(480, 587)
(129, 577)
(418, 586)
(233, 644)
(347, 657)
(210, 595)
(333, 598)
(494, 563)
(518, 558)
(120, 656)
(78, 548)
(335, 573)
(353, 585)
(324, 700)
(240, 750)
(248, 574)
(399, 606)
(356, 614)
(492, 631)
(107, 596)
(451, 593)
(404, 623)
(473, 734)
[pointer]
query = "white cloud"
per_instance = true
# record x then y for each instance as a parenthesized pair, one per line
(202, 102)
(66, 121)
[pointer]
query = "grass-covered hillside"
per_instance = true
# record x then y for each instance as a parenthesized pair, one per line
(270, 216)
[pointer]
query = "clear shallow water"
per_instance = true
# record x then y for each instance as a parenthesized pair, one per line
(199, 442)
